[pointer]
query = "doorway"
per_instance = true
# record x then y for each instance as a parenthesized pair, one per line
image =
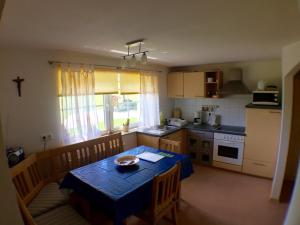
(294, 145)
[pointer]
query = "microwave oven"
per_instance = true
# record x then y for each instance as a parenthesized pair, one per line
(265, 97)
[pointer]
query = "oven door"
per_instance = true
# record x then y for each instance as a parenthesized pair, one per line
(228, 152)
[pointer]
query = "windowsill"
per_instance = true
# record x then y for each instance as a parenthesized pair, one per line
(130, 131)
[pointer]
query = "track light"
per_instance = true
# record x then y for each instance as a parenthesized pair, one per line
(144, 59)
(133, 60)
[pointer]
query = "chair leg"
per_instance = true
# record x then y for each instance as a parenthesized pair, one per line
(174, 215)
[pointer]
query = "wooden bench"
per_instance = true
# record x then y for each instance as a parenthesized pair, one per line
(35, 178)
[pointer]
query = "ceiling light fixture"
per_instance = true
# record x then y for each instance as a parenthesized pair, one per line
(133, 59)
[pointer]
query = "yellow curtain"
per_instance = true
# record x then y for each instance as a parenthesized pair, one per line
(130, 82)
(106, 81)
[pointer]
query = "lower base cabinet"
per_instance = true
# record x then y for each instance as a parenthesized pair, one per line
(227, 166)
(261, 142)
(153, 141)
(147, 140)
(258, 168)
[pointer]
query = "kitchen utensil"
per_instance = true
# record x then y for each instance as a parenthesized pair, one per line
(176, 113)
(261, 85)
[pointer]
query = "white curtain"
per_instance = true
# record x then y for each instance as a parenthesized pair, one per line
(149, 99)
(79, 118)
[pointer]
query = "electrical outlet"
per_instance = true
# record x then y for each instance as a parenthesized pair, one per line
(47, 136)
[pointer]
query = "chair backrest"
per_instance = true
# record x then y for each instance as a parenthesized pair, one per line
(165, 189)
(27, 179)
(170, 145)
(76, 155)
(114, 144)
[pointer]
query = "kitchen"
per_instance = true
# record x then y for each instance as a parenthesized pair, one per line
(206, 81)
(222, 117)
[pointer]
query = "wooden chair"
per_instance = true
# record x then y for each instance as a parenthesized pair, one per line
(76, 155)
(62, 215)
(27, 179)
(37, 195)
(170, 145)
(165, 196)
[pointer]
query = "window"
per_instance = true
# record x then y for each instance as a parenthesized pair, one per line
(125, 106)
(76, 108)
(94, 101)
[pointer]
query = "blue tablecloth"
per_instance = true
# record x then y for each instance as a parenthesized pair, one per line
(121, 191)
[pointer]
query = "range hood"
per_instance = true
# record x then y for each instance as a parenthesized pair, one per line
(234, 84)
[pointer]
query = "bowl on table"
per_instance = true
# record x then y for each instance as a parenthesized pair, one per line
(127, 160)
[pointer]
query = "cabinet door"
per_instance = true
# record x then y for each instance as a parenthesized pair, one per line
(193, 85)
(178, 136)
(175, 85)
(262, 134)
(148, 140)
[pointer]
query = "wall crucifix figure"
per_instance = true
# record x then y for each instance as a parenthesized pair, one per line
(19, 82)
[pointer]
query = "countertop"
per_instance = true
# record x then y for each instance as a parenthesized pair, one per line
(263, 106)
(201, 127)
(221, 129)
(167, 132)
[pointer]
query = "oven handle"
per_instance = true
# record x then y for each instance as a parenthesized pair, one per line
(229, 142)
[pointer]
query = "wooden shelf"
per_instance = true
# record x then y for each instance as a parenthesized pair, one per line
(213, 88)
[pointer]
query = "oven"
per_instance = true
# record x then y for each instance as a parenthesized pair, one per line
(228, 148)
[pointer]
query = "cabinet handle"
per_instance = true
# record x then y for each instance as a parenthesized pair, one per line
(277, 112)
(259, 164)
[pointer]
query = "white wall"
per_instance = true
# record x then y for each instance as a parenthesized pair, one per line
(232, 108)
(25, 119)
(290, 66)
(9, 211)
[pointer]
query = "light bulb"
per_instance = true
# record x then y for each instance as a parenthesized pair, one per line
(133, 61)
(144, 59)
(123, 62)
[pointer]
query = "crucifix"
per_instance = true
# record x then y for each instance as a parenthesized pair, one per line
(19, 82)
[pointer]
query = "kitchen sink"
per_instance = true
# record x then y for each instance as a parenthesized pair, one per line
(160, 130)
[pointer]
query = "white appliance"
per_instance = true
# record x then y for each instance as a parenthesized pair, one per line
(176, 122)
(228, 148)
(265, 97)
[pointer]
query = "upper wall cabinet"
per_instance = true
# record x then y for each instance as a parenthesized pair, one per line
(175, 85)
(193, 84)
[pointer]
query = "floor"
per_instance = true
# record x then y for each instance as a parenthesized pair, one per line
(217, 197)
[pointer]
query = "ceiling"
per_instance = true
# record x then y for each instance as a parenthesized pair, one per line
(177, 32)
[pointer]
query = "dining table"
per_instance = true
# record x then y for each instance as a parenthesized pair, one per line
(122, 191)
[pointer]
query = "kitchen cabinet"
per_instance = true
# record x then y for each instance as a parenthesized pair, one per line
(175, 85)
(178, 136)
(193, 84)
(147, 140)
(261, 143)
(213, 84)
(153, 141)
(200, 146)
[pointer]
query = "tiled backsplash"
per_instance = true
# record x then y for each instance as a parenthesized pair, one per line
(231, 109)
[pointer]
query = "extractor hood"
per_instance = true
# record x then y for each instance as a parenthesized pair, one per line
(234, 84)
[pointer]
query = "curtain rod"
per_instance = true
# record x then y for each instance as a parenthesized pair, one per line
(100, 65)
